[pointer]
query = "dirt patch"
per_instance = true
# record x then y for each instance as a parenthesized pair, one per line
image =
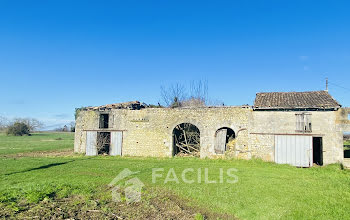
(169, 202)
(61, 153)
(155, 204)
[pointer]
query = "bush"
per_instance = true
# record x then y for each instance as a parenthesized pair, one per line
(18, 129)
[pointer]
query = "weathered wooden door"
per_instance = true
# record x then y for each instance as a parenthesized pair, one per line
(220, 141)
(295, 150)
(116, 143)
(91, 141)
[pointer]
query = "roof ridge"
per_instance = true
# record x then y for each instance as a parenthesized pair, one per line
(293, 92)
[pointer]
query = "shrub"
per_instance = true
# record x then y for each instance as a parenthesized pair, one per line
(18, 129)
(32, 123)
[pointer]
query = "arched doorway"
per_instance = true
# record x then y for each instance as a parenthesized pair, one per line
(223, 137)
(186, 140)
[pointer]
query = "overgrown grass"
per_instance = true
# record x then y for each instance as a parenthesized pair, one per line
(263, 191)
(36, 142)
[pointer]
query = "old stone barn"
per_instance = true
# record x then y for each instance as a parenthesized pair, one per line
(297, 128)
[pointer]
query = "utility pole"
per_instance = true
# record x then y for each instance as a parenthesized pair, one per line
(326, 84)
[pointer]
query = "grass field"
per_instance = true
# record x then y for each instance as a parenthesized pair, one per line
(263, 190)
(36, 142)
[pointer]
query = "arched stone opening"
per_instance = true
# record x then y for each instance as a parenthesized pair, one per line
(186, 140)
(224, 138)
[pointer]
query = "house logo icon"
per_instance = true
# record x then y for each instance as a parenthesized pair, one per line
(132, 187)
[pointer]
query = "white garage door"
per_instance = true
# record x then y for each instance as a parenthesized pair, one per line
(116, 143)
(294, 150)
(91, 140)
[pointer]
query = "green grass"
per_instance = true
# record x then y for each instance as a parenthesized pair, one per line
(263, 191)
(347, 142)
(36, 142)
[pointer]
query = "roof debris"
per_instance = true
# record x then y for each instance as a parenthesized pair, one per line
(133, 105)
(316, 100)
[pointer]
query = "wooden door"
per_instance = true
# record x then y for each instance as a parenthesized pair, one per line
(220, 141)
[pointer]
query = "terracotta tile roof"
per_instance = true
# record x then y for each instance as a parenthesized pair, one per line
(295, 100)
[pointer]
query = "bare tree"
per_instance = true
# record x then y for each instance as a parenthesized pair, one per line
(32, 123)
(3, 123)
(176, 96)
(193, 102)
(72, 126)
(215, 102)
(199, 91)
(59, 129)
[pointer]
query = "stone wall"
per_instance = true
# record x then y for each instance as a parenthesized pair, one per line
(264, 125)
(343, 119)
(148, 132)
(85, 120)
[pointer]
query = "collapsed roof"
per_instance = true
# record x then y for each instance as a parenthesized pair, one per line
(295, 100)
(318, 100)
(133, 105)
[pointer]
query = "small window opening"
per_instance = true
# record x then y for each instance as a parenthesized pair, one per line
(224, 140)
(103, 143)
(317, 150)
(104, 118)
(303, 122)
(346, 140)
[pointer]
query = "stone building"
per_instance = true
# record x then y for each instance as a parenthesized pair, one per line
(297, 128)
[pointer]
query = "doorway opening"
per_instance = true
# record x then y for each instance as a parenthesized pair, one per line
(186, 140)
(317, 150)
(103, 142)
(224, 139)
(346, 144)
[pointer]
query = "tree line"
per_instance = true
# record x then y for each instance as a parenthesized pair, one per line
(19, 126)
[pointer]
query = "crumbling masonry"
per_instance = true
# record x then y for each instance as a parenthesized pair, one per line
(295, 128)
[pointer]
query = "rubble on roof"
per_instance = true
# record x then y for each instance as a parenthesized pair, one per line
(133, 105)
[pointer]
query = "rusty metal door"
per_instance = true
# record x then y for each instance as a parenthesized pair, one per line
(220, 141)
(295, 150)
(91, 141)
(116, 143)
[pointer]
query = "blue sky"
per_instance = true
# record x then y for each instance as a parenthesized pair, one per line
(58, 55)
